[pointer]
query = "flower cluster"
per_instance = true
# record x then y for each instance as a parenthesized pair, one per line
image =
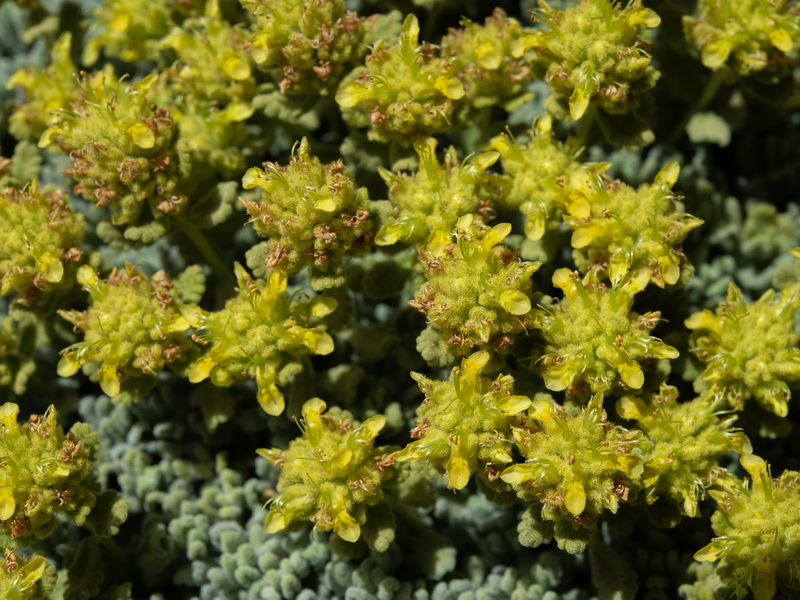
(41, 240)
(307, 46)
(593, 341)
(132, 329)
(260, 334)
(751, 37)
(757, 523)
(404, 93)
(749, 349)
(464, 424)
(478, 294)
(311, 214)
(428, 204)
(331, 475)
(593, 56)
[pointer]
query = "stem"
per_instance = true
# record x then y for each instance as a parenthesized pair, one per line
(710, 91)
(210, 253)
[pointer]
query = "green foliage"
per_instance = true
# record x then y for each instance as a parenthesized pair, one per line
(477, 294)
(261, 334)
(464, 424)
(428, 204)
(757, 523)
(45, 475)
(41, 241)
(331, 476)
(312, 215)
(594, 58)
(404, 93)
(578, 465)
(307, 46)
(682, 445)
(750, 37)
(593, 340)
(749, 349)
(133, 327)
(620, 230)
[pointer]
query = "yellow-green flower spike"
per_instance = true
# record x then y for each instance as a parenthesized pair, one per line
(464, 424)
(490, 60)
(41, 237)
(311, 214)
(757, 523)
(404, 93)
(593, 55)
(478, 294)
(307, 47)
(428, 204)
(593, 341)
(682, 445)
(749, 349)
(132, 31)
(122, 149)
(329, 476)
(44, 474)
(539, 176)
(577, 465)
(620, 230)
(26, 578)
(132, 328)
(213, 62)
(45, 90)
(751, 37)
(262, 334)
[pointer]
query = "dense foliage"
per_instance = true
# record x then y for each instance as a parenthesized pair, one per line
(424, 300)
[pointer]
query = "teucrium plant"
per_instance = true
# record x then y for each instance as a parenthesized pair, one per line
(404, 93)
(478, 294)
(593, 341)
(757, 523)
(464, 424)
(428, 204)
(331, 475)
(41, 240)
(311, 214)
(621, 230)
(749, 349)
(262, 334)
(577, 465)
(133, 327)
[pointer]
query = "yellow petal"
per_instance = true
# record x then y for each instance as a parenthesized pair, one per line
(142, 135)
(8, 415)
(7, 503)
(236, 68)
(253, 177)
(68, 365)
(50, 267)
(457, 471)
(270, 399)
(86, 276)
(325, 204)
(668, 174)
(514, 404)
(201, 369)
(575, 497)
(109, 380)
(450, 87)
(630, 372)
(578, 103)
(275, 522)
(370, 428)
(711, 552)
(514, 302)
(631, 408)
(781, 40)
(346, 527)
